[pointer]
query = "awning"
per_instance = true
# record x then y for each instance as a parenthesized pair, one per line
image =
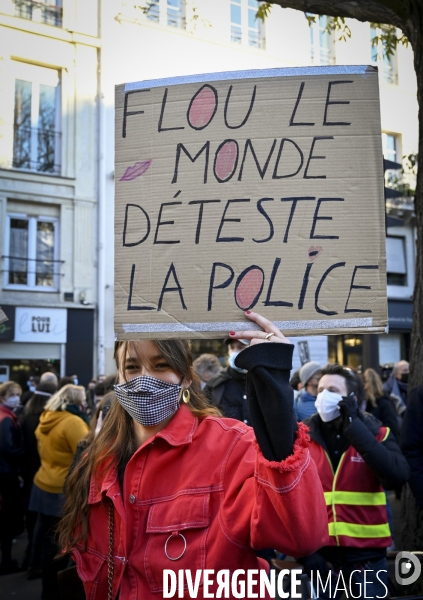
(400, 315)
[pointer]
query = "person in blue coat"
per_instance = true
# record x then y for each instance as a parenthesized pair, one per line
(304, 402)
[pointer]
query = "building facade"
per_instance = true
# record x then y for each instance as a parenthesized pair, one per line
(48, 186)
(59, 64)
(165, 38)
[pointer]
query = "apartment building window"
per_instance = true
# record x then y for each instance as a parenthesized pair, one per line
(396, 262)
(153, 11)
(236, 22)
(255, 26)
(391, 151)
(175, 13)
(390, 146)
(36, 144)
(173, 10)
(245, 27)
(31, 253)
(322, 47)
(48, 12)
(386, 64)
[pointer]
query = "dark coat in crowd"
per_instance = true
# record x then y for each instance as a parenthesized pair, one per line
(32, 463)
(11, 450)
(385, 413)
(385, 458)
(227, 391)
(11, 505)
(412, 441)
(412, 494)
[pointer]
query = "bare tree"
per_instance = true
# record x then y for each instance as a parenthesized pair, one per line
(407, 15)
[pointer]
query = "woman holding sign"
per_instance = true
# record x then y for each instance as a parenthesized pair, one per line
(173, 499)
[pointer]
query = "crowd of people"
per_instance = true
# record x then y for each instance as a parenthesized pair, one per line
(41, 431)
(77, 463)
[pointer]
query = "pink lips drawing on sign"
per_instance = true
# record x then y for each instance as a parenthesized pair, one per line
(248, 287)
(137, 170)
(314, 251)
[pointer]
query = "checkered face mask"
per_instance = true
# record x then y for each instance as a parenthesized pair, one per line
(148, 400)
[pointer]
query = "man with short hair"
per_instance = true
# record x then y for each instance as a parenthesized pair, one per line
(99, 392)
(67, 380)
(304, 402)
(206, 367)
(396, 387)
(357, 458)
(49, 377)
(227, 390)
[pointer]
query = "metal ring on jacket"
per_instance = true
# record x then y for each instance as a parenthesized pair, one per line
(183, 551)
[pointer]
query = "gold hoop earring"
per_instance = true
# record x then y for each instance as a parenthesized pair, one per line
(186, 396)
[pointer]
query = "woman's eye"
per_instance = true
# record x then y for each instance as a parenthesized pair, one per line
(162, 366)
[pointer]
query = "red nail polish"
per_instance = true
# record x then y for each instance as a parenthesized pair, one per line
(232, 333)
(247, 312)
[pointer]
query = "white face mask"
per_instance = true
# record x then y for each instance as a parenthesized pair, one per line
(327, 405)
(12, 401)
(231, 361)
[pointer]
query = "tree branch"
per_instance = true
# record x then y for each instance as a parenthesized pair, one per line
(390, 12)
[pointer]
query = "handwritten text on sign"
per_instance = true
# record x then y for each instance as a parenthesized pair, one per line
(263, 192)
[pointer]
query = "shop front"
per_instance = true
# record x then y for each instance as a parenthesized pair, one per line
(35, 340)
(392, 347)
(395, 346)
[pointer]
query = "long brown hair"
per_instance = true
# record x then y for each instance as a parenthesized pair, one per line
(115, 443)
(374, 386)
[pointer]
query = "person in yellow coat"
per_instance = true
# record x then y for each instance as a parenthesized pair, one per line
(62, 425)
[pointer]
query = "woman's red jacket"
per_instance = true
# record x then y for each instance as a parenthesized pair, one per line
(205, 482)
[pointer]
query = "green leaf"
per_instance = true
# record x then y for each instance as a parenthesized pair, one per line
(334, 24)
(387, 38)
(263, 11)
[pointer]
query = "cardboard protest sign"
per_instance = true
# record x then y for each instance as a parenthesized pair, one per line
(254, 190)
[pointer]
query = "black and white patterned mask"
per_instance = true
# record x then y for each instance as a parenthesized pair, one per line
(148, 400)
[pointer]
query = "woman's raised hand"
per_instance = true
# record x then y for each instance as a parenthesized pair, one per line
(269, 333)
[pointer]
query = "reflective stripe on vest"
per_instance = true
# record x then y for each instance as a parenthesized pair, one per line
(386, 434)
(359, 531)
(358, 498)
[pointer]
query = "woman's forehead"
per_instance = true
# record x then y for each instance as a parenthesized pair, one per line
(141, 350)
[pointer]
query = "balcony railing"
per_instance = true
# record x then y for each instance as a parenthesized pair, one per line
(152, 11)
(174, 14)
(256, 39)
(236, 34)
(39, 12)
(389, 73)
(36, 149)
(44, 270)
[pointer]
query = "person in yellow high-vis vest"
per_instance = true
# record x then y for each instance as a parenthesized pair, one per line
(357, 458)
